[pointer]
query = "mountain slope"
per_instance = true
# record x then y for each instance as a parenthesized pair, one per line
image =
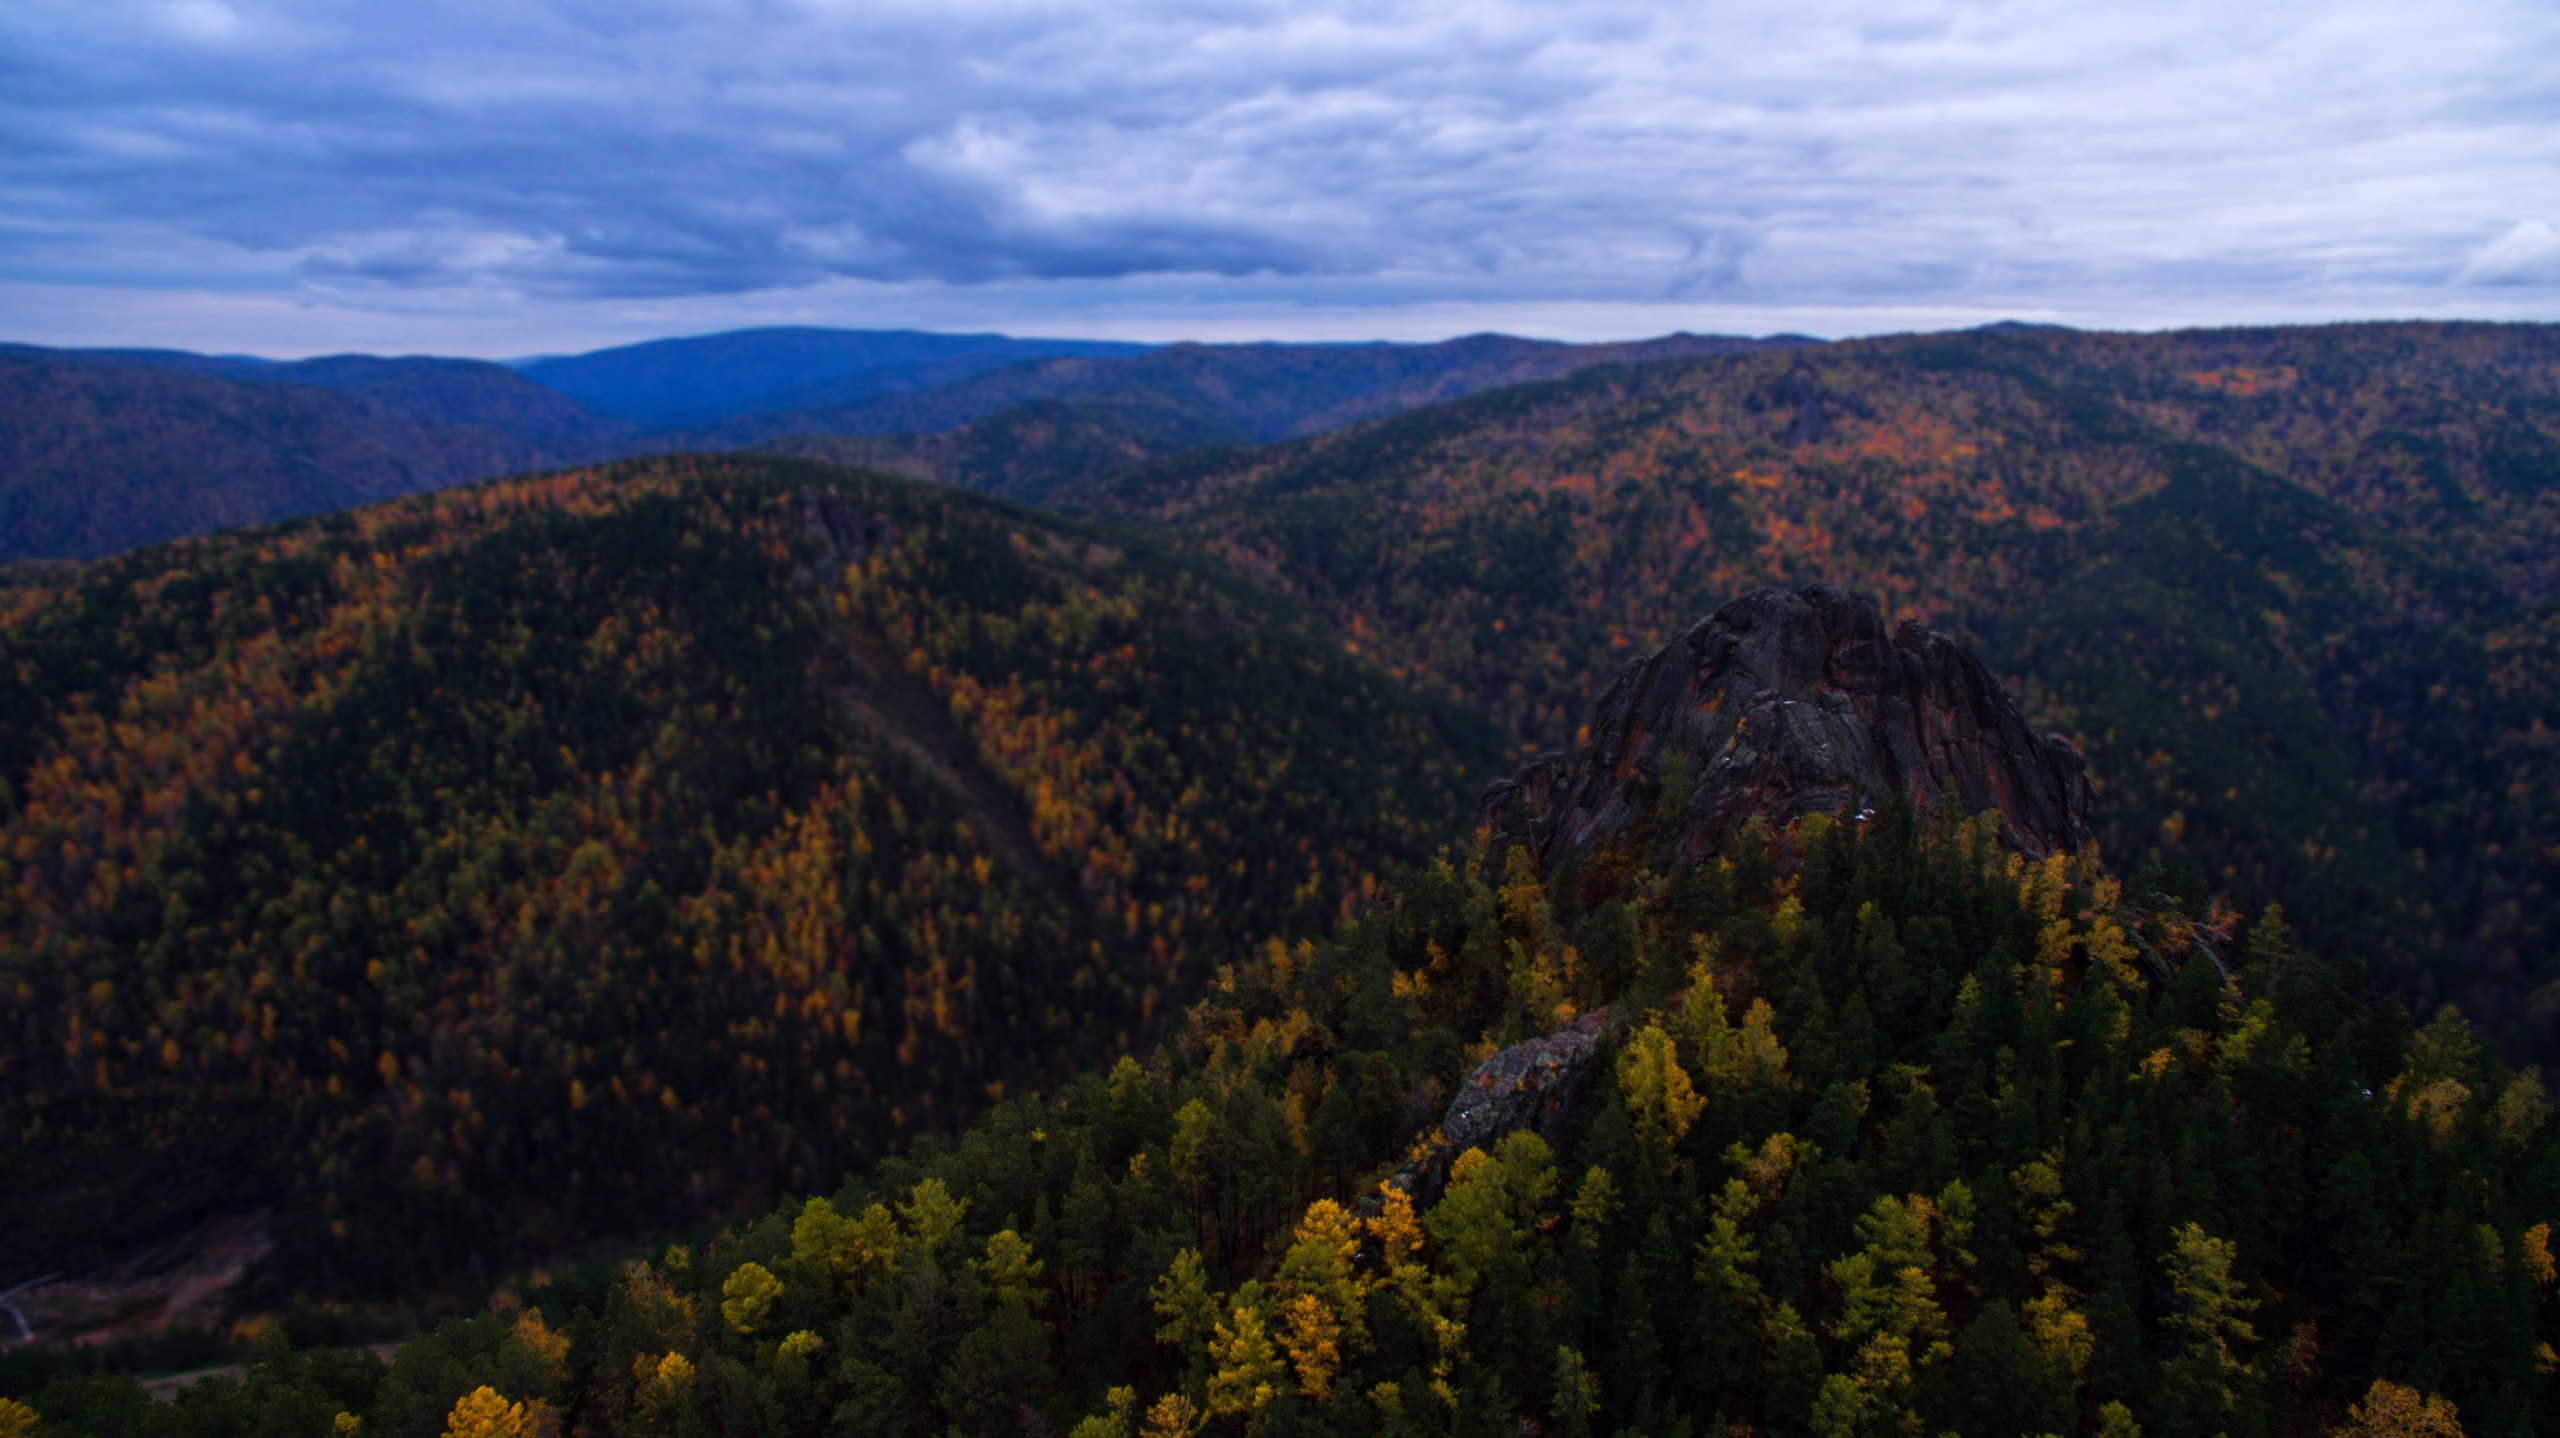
(100, 453)
(497, 871)
(1868, 1125)
(465, 394)
(460, 393)
(1032, 453)
(2440, 432)
(707, 378)
(2322, 683)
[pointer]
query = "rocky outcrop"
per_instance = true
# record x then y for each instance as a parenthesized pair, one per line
(842, 531)
(1530, 1085)
(1779, 705)
(1783, 704)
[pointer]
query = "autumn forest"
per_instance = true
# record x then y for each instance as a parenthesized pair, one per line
(968, 912)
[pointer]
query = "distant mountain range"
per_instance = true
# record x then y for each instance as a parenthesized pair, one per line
(100, 452)
(668, 384)
(104, 450)
(1249, 393)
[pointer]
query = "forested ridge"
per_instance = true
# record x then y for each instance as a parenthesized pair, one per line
(2290, 589)
(104, 450)
(1895, 1136)
(538, 864)
(101, 451)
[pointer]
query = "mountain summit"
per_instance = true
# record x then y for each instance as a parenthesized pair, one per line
(1783, 704)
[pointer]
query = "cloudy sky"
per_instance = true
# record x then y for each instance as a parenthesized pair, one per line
(503, 177)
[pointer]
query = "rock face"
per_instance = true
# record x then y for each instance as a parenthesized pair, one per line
(1783, 704)
(843, 531)
(1529, 1085)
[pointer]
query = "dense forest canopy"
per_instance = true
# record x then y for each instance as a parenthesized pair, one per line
(482, 876)
(1892, 1136)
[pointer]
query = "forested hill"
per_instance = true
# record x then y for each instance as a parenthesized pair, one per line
(1865, 1125)
(2291, 590)
(557, 861)
(1229, 394)
(103, 452)
(702, 379)
(1031, 453)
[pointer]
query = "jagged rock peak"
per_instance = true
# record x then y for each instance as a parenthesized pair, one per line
(1783, 704)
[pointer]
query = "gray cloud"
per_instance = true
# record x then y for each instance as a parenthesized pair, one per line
(2036, 156)
(2529, 254)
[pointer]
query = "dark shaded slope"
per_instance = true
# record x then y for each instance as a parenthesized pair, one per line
(2445, 432)
(102, 457)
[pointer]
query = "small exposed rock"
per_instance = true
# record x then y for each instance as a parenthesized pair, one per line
(843, 530)
(1528, 1085)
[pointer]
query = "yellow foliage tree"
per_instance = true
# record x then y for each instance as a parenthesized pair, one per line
(1890, 1321)
(485, 1413)
(2538, 1264)
(1312, 1335)
(747, 1295)
(932, 1215)
(1321, 1309)
(1758, 1056)
(2390, 1410)
(1246, 1368)
(1428, 1299)
(818, 1238)
(1659, 1096)
(2116, 1421)
(552, 1347)
(1011, 1272)
(1172, 1417)
(1183, 1300)
(1117, 1420)
(2056, 1330)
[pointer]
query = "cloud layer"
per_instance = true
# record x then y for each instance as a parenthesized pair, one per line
(579, 165)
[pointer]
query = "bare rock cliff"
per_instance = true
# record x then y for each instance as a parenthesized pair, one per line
(1783, 704)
